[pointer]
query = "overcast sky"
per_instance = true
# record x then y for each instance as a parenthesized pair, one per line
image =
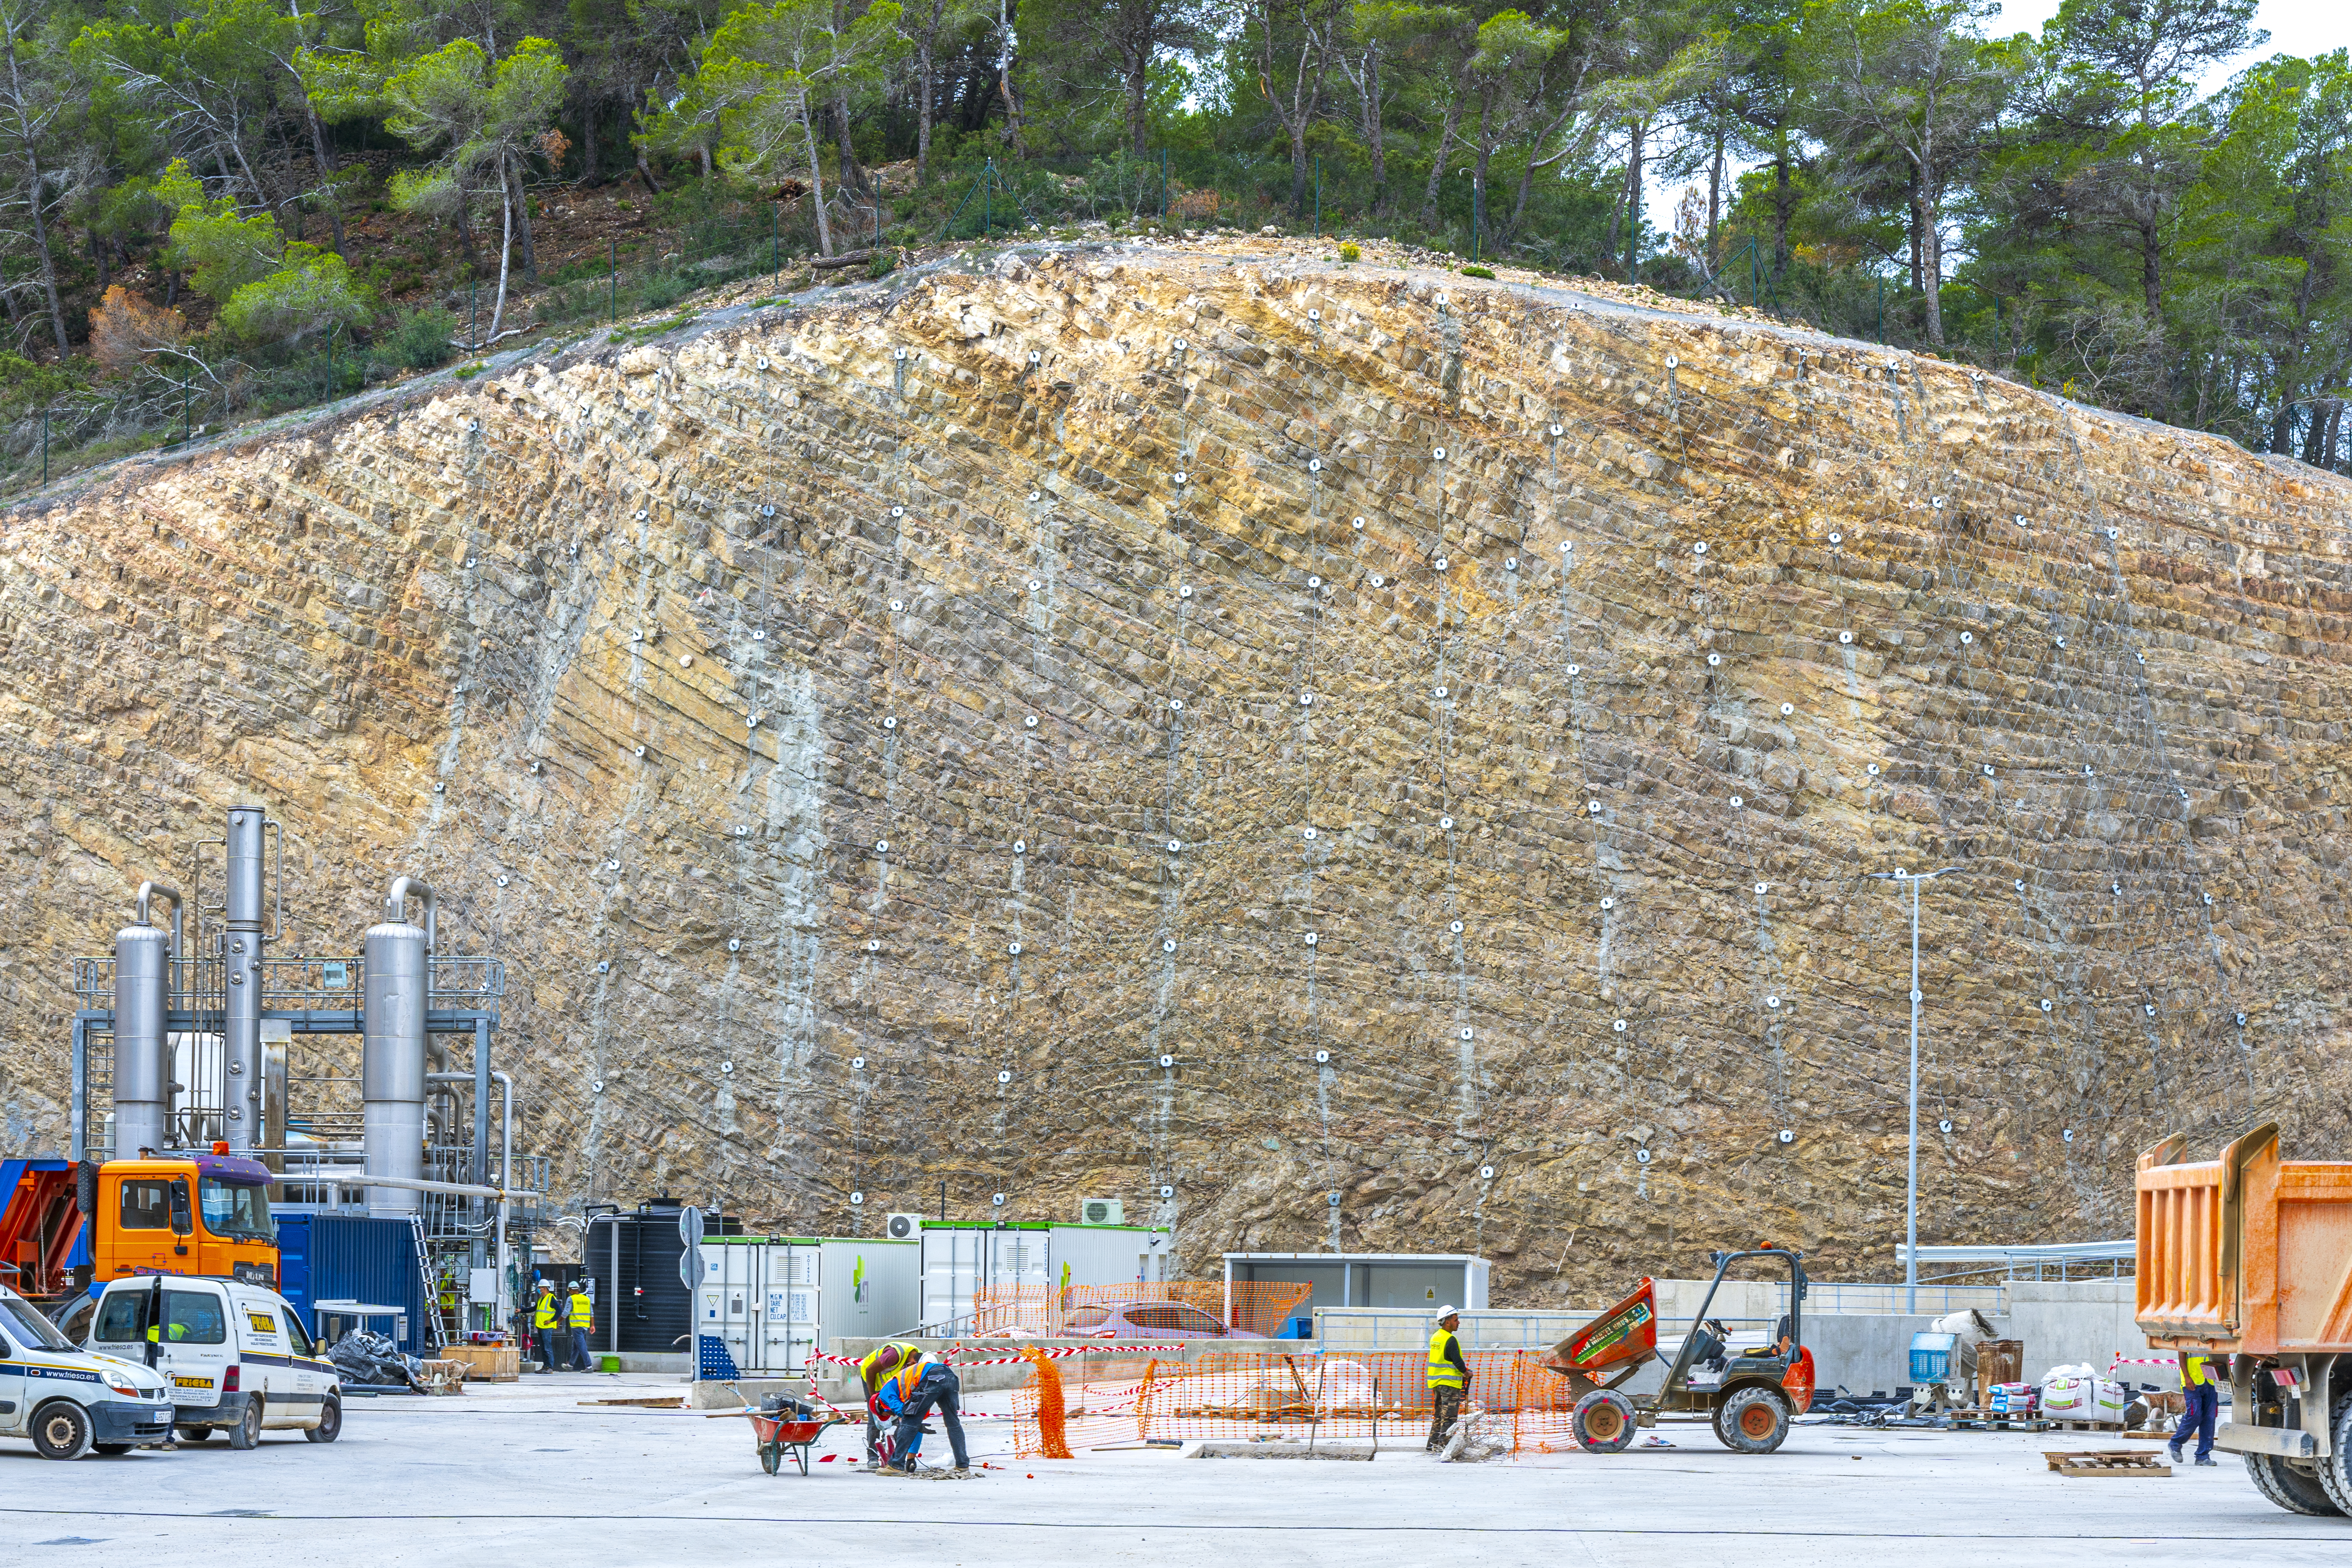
(2295, 27)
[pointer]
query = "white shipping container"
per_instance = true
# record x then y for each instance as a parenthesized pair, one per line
(761, 1299)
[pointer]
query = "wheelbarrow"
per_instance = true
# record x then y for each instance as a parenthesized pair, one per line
(778, 1435)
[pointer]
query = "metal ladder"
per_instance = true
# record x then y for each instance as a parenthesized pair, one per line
(429, 1336)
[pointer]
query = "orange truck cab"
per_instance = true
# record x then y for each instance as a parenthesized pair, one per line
(186, 1213)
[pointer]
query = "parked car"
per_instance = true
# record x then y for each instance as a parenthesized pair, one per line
(69, 1401)
(235, 1355)
(1147, 1321)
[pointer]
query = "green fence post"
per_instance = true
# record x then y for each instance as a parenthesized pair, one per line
(1752, 272)
(612, 281)
(1477, 215)
(45, 445)
(1164, 183)
(1882, 311)
(776, 239)
(988, 200)
(1319, 195)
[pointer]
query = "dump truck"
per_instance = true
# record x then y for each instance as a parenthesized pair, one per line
(177, 1212)
(1750, 1394)
(2251, 1255)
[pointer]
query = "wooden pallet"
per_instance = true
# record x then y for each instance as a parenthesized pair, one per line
(2063, 1424)
(2107, 1462)
(1999, 1424)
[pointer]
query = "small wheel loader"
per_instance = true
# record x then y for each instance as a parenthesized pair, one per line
(1751, 1395)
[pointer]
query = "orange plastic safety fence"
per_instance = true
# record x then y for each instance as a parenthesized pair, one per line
(1158, 1309)
(1262, 1394)
(1042, 1431)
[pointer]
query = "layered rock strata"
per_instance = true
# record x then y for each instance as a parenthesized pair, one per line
(1322, 753)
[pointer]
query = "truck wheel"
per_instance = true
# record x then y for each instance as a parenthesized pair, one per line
(247, 1433)
(2298, 1492)
(2335, 1471)
(61, 1431)
(1603, 1422)
(331, 1422)
(1752, 1421)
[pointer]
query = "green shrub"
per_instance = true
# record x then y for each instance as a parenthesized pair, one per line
(662, 289)
(468, 371)
(1351, 251)
(420, 340)
(1478, 272)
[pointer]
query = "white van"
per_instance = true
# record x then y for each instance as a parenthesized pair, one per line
(234, 1354)
(69, 1402)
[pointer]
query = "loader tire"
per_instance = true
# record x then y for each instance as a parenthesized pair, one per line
(1753, 1421)
(2298, 1492)
(1603, 1422)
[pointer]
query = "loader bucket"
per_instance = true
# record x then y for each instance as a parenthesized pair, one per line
(1626, 1331)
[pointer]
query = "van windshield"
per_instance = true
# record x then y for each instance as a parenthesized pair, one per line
(25, 1322)
(234, 1210)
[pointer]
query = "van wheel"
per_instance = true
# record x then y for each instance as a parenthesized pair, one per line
(194, 1435)
(61, 1431)
(1752, 1421)
(330, 1422)
(110, 1450)
(247, 1433)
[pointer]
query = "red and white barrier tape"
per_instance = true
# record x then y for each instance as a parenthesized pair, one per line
(1108, 1347)
(2144, 1361)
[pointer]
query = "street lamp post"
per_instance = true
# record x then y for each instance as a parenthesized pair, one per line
(1911, 1190)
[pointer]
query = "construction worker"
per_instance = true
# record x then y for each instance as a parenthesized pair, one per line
(912, 1389)
(881, 1363)
(2200, 1402)
(580, 1313)
(542, 1325)
(1449, 1375)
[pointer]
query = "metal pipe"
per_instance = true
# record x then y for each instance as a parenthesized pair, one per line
(149, 892)
(395, 907)
(356, 1175)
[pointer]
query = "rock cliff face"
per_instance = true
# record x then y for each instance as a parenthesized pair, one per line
(1313, 757)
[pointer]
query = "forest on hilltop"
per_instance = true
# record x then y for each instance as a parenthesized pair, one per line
(212, 209)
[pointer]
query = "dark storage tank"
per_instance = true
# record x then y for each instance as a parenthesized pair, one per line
(632, 1260)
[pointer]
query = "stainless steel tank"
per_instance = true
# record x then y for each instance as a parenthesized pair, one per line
(241, 979)
(391, 1069)
(142, 1057)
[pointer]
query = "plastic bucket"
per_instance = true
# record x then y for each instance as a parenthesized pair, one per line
(612, 1364)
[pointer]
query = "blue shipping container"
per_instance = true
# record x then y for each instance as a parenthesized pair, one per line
(347, 1257)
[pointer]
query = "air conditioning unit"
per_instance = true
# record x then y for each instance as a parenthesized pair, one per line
(902, 1227)
(1101, 1211)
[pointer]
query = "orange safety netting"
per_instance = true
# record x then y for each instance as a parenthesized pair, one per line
(1258, 1394)
(1160, 1308)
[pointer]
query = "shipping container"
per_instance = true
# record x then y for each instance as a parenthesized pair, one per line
(773, 1300)
(349, 1258)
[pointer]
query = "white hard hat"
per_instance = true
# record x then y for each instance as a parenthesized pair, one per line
(1444, 1312)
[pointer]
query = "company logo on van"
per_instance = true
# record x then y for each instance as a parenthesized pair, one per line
(192, 1383)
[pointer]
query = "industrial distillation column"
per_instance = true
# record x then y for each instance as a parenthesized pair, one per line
(241, 979)
(143, 968)
(397, 965)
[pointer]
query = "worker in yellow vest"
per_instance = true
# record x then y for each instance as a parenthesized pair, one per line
(2201, 1401)
(1449, 1375)
(579, 1314)
(543, 1326)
